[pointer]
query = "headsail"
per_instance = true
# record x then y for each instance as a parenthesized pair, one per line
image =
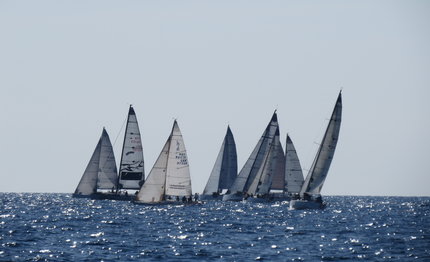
(263, 180)
(278, 182)
(107, 175)
(131, 169)
(319, 169)
(225, 169)
(170, 174)
(293, 170)
(101, 170)
(253, 164)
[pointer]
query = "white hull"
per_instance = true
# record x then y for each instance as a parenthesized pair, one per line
(232, 197)
(305, 204)
(210, 198)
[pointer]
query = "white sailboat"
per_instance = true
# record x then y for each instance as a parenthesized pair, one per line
(224, 171)
(169, 179)
(101, 172)
(252, 166)
(310, 192)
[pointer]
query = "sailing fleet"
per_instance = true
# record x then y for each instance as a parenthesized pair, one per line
(269, 174)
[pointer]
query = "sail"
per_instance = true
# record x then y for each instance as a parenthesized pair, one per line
(170, 174)
(255, 160)
(293, 170)
(225, 169)
(263, 180)
(153, 189)
(278, 181)
(107, 174)
(178, 180)
(88, 183)
(319, 169)
(131, 173)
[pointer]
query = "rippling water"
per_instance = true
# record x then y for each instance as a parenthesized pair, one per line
(57, 227)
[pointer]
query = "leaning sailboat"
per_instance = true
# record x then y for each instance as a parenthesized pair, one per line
(224, 171)
(310, 191)
(254, 163)
(169, 179)
(101, 173)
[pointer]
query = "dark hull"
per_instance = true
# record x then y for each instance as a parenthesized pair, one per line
(107, 196)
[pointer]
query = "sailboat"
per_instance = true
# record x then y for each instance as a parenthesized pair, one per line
(292, 175)
(224, 171)
(310, 191)
(260, 188)
(101, 172)
(254, 163)
(131, 174)
(169, 180)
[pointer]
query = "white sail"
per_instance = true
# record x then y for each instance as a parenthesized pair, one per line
(278, 182)
(101, 170)
(263, 180)
(153, 189)
(225, 169)
(131, 169)
(319, 169)
(178, 180)
(293, 170)
(107, 173)
(88, 183)
(255, 160)
(170, 175)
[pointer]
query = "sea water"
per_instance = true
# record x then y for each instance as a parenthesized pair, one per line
(57, 227)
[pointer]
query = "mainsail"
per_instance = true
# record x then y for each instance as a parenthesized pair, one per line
(225, 169)
(101, 171)
(319, 169)
(170, 175)
(131, 169)
(278, 181)
(293, 170)
(253, 164)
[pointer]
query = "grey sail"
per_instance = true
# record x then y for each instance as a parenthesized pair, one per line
(101, 170)
(253, 164)
(319, 169)
(278, 182)
(225, 169)
(131, 169)
(293, 170)
(263, 180)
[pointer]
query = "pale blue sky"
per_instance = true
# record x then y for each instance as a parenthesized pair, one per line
(68, 68)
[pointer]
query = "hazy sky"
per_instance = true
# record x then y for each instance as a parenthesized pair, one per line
(68, 68)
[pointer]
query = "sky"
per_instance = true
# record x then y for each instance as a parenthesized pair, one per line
(70, 68)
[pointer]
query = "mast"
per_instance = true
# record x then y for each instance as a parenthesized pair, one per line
(319, 169)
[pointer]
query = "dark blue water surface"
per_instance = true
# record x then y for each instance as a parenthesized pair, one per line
(57, 227)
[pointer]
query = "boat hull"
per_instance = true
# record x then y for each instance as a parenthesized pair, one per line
(299, 204)
(106, 196)
(232, 197)
(210, 197)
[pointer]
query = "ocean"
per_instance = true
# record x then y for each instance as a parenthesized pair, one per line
(57, 227)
